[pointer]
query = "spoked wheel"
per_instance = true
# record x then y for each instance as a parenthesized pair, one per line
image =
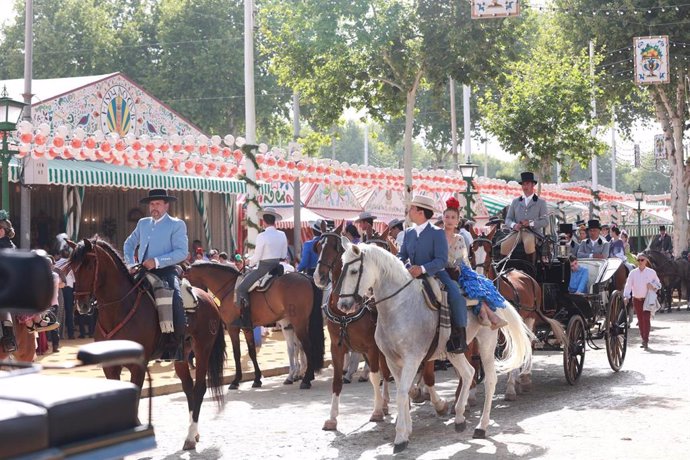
(616, 335)
(574, 355)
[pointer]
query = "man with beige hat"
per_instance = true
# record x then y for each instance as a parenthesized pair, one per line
(271, 247)
(365, 223)
(426, 249)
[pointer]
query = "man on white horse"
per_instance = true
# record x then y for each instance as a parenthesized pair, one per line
(426, 249)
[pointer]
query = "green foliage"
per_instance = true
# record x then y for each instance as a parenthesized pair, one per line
(539, 108)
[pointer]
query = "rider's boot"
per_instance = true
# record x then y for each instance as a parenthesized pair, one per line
(8, 341)
(245, 315)
(457, 342)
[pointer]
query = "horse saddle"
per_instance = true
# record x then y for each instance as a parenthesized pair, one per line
(434, 295)
(189, 298)
(263, 283)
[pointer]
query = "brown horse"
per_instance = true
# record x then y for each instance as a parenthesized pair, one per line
(524, 292)
(26, 344)
(127, 312)
(353, 332)
(234, 333)
(290, 296)
(670, 273)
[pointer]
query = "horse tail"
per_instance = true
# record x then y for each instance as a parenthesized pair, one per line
(214, 377)
(518, 341)
(317, 347)
(557, 329)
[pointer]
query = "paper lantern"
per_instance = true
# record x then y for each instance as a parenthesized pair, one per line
(229, 140)
(237, 154)
(26, 138)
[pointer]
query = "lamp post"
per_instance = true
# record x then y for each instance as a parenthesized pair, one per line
(639, 196)
(10, 113)
(468, 171)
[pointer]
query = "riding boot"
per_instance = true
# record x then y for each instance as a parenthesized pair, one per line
(8, 341)
(245, 315)
(456, 342)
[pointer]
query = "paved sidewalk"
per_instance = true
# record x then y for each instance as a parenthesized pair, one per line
(272, 357)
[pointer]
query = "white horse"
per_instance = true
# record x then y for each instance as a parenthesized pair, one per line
(296, 355)
(406, 329)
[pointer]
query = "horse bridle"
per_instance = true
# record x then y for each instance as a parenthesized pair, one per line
(92, 292)
(338, 248)
(487, 262)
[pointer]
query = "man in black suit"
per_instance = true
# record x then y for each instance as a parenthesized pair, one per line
(662, 242)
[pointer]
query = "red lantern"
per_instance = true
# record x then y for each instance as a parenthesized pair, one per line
(238, 155)
(214, 149)
(150, 147)
(39, 139)
(301, 166)
(75, 143)
(164, 147)
(290, 165)
(26, 138)
(58, 142)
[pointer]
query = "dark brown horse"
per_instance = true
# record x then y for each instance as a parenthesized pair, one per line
(126, 312)
(290, 296)
(349, 332)
(524, 293)
(234, 333)
(670, 273)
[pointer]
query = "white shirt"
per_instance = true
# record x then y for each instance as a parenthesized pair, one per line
(467, 236)
(637, 282)
(399, 239)
(270, 244)
(420, 228)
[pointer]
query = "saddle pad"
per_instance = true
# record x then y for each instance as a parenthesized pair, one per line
(23, 428)
(433, 295)
(470, 302)
(77, 408)
(189, 299)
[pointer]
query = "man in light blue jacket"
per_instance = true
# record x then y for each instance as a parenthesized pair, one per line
(162, 243)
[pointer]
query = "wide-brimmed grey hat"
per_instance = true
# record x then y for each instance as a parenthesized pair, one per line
(365, 215)
(422, 201)
(271, 212)
(158, 194)
(395, 223)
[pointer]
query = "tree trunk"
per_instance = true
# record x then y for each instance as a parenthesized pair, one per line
(672, 115)
(407, 139)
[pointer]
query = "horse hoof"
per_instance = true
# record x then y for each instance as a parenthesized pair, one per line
(397, 448)
(256, 384)
(443, 410)
(479, 433)
(346, 380)
(330, 425)
(376, 417)
(362, 379)
(304, 386)
(452, 410)
(416, 396)
(460, 427)
(510, 397)
(385, 410)
(288, 381)
(234, 386)
(189, 445)
(197, 437)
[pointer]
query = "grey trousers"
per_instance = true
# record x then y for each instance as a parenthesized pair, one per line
(253, 276)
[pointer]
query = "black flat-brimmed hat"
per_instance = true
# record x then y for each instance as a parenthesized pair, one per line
(565, 228)
(527, 177)
(158, 194)
(593, 224)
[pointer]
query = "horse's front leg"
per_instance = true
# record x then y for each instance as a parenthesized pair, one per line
(338, 358)
(194, 398)
(466, 373)
(403, 426)
(375, 379)
(112, 372)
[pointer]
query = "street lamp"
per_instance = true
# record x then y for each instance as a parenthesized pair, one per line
(10, 113)
(468, 171)
(624, 214)
(639, 196)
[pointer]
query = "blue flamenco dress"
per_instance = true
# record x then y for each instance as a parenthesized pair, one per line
(475, 285)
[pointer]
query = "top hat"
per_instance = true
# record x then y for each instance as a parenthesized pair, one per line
(424, 202)
(270, 212)
(662, 228)
(494, 220)
(593, 223)
(395, 223)
(158, 194)
(365, 215)
(565, 228)
(527, 177)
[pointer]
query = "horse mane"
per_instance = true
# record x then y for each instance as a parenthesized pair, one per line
(388, 265)
(80, 252)
(217, 266)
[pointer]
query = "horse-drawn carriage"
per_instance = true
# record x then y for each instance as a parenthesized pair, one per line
(585, 318)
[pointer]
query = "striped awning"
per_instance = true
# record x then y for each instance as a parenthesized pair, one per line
(493, 204)
(97, 174)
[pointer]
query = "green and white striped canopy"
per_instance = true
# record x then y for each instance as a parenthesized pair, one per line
(96, 174)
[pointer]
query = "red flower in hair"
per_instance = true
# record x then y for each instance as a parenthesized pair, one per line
(452, 203)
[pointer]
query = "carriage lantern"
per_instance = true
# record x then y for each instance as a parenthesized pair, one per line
(10, 113)
(562, 246)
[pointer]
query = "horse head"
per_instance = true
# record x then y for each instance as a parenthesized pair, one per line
(330, 249)
(480, 256)
(352, 283)
(84, 265)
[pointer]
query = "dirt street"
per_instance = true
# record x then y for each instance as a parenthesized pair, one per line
(641, 412)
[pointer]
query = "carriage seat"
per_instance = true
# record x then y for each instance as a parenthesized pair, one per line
(61, 410)
(596, 267)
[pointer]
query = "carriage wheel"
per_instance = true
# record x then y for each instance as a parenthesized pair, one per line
(574, 355)
(616, 335)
